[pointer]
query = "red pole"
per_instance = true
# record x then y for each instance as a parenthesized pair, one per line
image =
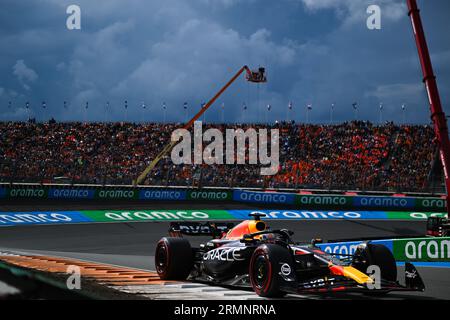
(437, 115)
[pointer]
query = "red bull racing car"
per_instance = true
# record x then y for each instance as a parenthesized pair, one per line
(251, 254)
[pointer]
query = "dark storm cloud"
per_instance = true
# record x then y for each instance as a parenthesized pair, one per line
(316, 51)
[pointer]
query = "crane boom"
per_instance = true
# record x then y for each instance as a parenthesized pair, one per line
(437, 114)
(250, 77)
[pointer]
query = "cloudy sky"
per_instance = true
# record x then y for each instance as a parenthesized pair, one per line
(316, 52)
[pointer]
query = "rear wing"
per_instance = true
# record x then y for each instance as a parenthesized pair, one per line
(438, 226)
(212, 229)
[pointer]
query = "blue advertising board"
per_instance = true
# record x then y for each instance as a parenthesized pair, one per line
(384, 202)
(263, 197)
(55, 193)
(43, 217)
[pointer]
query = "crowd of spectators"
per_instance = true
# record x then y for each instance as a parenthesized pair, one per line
(351, 155)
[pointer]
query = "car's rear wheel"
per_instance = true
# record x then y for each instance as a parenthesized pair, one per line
(173, 258)
(264, 269)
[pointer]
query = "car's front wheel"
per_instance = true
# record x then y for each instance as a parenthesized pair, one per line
(265, 267)
(379, 255)
(173, 258)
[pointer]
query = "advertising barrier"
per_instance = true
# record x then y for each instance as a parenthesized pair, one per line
(322, 201)
(156, 215)
(346, 248)
(55, 217)
(116, 194)
(27, 192)
(405, 215)
(209, 195)
(300, 201)
(29, 218)
(162, 194)
(384, 202)
(263, 197)
(310, 215)
(330, 215)
(54, 193)
(431, 204)
(414, 249)
(422, 249)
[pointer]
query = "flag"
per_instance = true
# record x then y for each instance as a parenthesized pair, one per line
(185, 105)
(269, 107)
(355, 105)
(309, 106)
(290, 105)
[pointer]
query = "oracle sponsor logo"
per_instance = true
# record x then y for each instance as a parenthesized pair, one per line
(224, 254)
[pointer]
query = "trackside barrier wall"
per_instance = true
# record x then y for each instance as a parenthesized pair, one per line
(91, 216)
(413, 249)
(310, 201)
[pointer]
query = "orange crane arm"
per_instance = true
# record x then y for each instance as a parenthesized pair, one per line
(172, 144)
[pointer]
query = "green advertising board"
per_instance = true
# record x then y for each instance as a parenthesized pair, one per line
(408, 215)
(155, 215)
(422, 249)
(28, 192)
(320, 201)
(210, 195)
(431, 204)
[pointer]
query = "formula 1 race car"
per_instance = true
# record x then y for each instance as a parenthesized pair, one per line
(252, 255)
(438, 227)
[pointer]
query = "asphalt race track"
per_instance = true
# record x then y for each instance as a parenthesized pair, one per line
(132, 244)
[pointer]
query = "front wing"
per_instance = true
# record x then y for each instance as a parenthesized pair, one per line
(334, 284)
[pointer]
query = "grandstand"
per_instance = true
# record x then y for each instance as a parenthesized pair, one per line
(354, 155)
